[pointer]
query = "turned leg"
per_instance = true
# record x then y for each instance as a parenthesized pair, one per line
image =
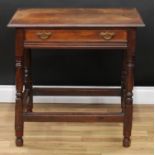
(28, 79)
(19, 89)
(123, 77)
(129, 87)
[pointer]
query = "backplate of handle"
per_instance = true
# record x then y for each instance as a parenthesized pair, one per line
(107, 35)
(44, 35)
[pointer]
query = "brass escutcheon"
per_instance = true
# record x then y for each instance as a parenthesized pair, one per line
(43, 35)
(107, 35)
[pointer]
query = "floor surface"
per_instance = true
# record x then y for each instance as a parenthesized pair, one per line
(77, 138)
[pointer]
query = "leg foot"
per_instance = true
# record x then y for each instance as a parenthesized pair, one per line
(19, 141)
(126, 142)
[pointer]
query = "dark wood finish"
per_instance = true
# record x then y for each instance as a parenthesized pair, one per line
(19, 87)
(28, 79)
(26, 100)
(123, 78)
(77, 91)
(73, 117)
(83, 35)
(76, 17)
(74, 29)
(129, 83)
(49, 45)
(83, 38)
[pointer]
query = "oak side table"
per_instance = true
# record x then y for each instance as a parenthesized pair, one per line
(72, 28)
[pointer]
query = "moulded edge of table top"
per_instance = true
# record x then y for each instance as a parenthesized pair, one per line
(17, 22)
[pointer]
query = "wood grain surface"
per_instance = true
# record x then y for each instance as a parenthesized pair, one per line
(76, 17)
(77, 138)
(83, 35)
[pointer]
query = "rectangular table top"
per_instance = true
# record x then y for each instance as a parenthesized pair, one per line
(76, 17)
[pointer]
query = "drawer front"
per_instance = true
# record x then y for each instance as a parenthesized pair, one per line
(75, 35)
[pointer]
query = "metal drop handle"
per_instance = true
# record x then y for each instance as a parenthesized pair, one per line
(107, 35)
(44, 35)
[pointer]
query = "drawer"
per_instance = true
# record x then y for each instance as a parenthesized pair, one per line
(40, 35)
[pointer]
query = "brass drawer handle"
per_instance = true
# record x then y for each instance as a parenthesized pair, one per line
(43, 35)
(107, 35)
